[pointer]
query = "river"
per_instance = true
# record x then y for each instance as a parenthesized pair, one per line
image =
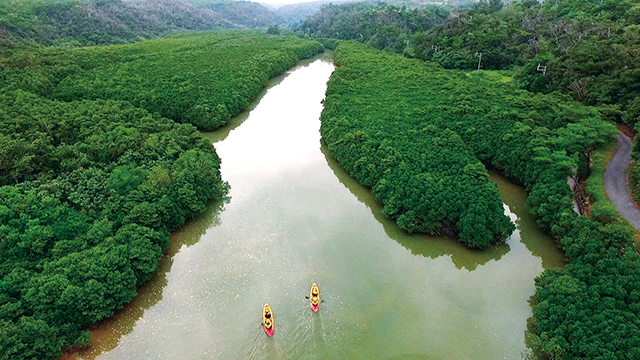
(294, 217)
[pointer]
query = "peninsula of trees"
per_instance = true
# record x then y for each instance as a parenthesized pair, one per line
(573, 50)
(406, 128)
(383, 120)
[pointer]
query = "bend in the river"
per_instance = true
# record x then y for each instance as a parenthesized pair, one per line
(294, 217)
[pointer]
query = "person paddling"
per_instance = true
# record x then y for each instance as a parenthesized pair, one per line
(314, 297)
(267, 320)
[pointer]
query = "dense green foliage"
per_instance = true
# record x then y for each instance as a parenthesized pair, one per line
(91, 22)
(634, 171)
(590, 47)
(91, 185)
(382, 26)
(601, 208)
(590, 309)
(245, 13)
(197, 78)
(379, 124)
(91, 191)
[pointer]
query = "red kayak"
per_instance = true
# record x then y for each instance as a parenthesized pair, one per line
(314, 297)
(267, 320)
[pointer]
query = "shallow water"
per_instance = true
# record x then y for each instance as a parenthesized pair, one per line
(294, 217)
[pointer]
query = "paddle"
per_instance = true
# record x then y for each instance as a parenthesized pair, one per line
(306, 297)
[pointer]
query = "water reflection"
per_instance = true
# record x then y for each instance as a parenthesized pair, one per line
(294, 220)
(539, 244)
(222, 133)
(106, 334)
(533, 345)
(419, 244)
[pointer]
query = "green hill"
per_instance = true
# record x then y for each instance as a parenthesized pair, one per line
(296, 13)
(245, 13)
(95, 22)
(35, 23)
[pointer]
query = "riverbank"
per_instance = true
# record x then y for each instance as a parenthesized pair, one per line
(104, 176)
(303, 219)
(537, 142)
(383, 121)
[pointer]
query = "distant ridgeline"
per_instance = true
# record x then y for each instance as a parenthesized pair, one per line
(415, 132)
(245, 13)
(95, 22)
(94, 176)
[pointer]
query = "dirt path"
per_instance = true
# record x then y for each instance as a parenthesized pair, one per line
(616, 182)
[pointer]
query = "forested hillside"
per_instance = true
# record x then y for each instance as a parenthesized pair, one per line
(590, 48)
(91, 186)
(297, 13)
(197, 78)
(587, 310)
(383, 26)
(94, 22)
(34, 23)
(245, 13)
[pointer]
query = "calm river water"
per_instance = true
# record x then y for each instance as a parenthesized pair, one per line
(294, 217)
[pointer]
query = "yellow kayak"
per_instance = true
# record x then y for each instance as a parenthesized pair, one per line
(267, 320)
(314, 297)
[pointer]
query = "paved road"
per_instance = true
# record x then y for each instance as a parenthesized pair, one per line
(616, 182)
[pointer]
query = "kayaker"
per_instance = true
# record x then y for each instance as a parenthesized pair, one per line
(267, 318)
(314, 296)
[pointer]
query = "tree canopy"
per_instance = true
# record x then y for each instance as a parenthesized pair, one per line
(385, 116)
(588, 48)
(200, 78)
(93, 176)
(91, 191)
(382, 122)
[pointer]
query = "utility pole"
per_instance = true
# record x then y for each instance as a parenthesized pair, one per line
(479, 55)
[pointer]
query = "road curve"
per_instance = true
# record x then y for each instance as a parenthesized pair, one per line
(616, 182)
